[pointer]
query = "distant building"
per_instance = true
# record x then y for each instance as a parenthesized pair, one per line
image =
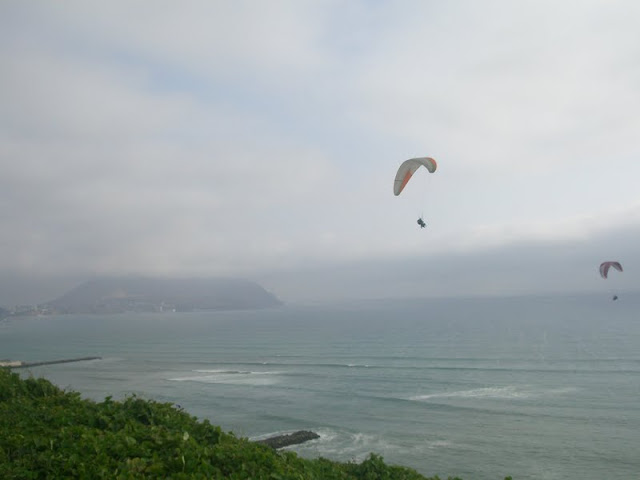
(25, 310)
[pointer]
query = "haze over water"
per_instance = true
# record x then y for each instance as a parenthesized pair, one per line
(537, 388)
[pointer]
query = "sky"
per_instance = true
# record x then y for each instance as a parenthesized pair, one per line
(261, 139)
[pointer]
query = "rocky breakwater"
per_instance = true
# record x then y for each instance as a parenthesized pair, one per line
(295, 438)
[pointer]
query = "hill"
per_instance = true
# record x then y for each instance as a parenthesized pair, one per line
(141, 294)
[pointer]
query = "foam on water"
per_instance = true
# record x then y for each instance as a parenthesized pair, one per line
(343, 444)
(488, 392)
(508, 392)
(439, 444)
(232, 377)
(357, 446)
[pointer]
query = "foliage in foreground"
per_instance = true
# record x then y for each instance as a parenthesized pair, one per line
(51, 433)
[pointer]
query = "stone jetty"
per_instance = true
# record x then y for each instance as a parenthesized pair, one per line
(295, 438)
(19, 364)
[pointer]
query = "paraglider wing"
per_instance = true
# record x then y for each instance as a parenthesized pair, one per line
(605, 266)
(408, 168)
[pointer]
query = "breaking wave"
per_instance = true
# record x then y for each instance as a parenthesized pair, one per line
(231, 377)
(508, 392)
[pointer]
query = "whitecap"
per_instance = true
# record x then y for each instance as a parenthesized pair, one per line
(439, 444)
(351, 446)
(508, 392)
(487, 392)
(231, 377)
(231, 372)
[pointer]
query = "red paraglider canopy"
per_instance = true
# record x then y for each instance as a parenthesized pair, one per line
(605, 266)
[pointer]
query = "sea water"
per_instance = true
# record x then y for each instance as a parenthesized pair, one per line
(533, 387)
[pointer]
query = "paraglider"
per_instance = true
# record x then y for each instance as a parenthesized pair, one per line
(406, 171)
(604, 272)
(408, 168)
(605, 266)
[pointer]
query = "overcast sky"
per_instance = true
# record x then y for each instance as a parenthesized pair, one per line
(261, 139)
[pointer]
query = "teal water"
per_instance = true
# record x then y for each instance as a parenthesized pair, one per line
(537, 388)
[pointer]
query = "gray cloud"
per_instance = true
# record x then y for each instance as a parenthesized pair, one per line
(244, 139)
(521, 268)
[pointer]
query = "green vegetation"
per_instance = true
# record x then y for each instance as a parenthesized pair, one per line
(50, 433)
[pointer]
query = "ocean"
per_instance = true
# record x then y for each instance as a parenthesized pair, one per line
(533, 387)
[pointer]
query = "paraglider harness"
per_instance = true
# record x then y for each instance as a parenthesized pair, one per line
(421, 223)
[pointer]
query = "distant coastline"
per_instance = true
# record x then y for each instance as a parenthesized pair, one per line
(152, 295)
